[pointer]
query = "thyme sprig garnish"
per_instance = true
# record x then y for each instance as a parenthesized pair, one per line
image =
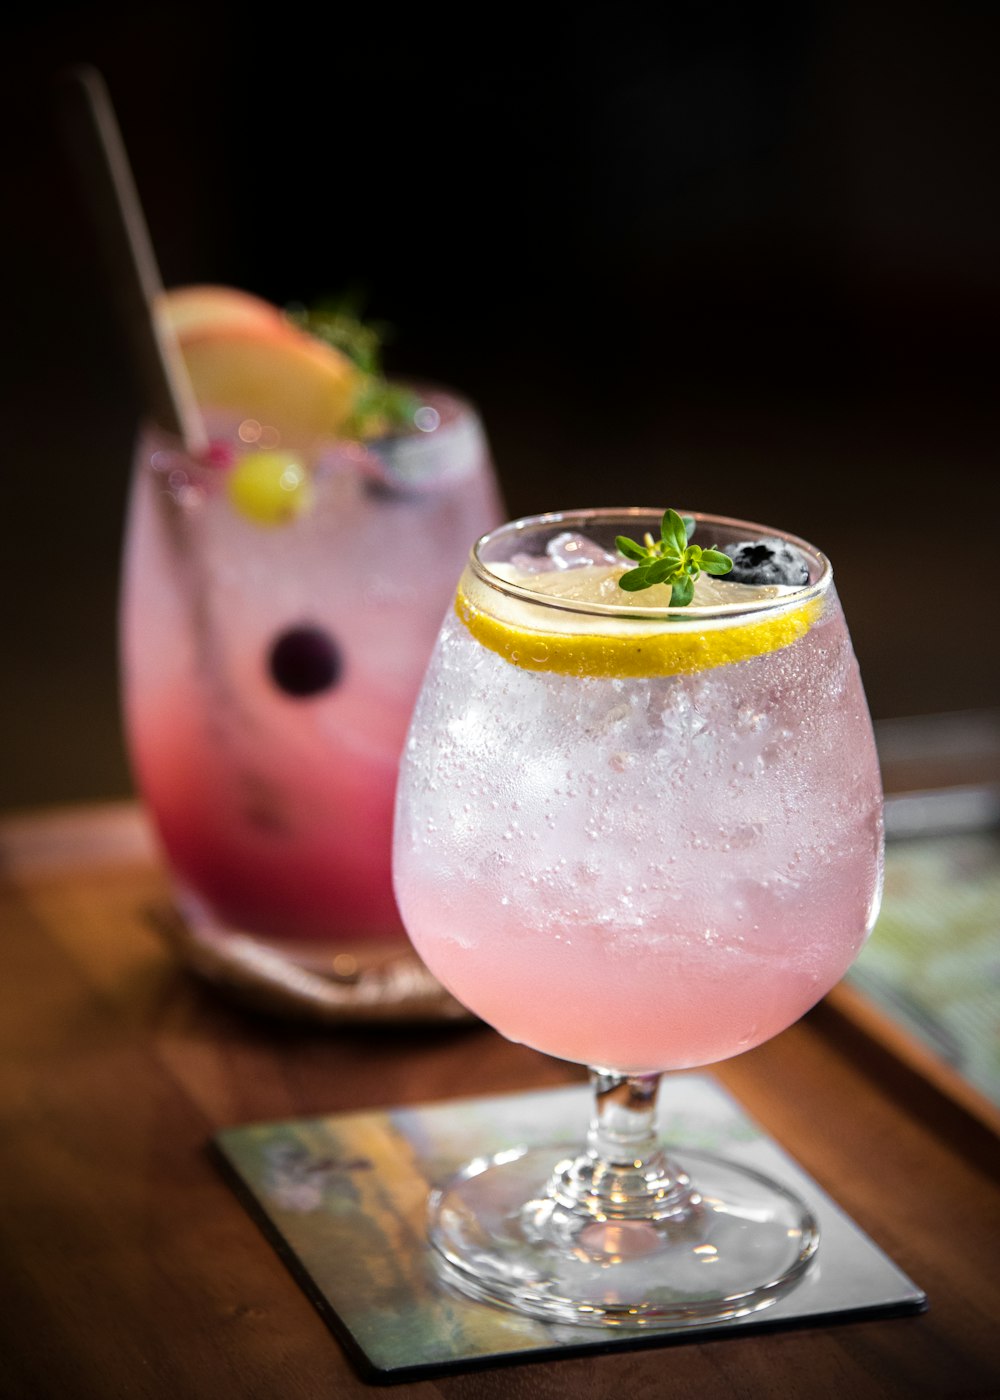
(671, 560)
(380, 406)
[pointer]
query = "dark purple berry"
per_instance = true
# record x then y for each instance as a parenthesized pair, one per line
(382, 489)
(305, 661)
(768, 561)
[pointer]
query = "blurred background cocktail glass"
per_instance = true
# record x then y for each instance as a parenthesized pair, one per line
(280, 602)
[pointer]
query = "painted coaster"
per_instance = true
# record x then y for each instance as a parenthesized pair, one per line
(931, 970)
(343, 1200)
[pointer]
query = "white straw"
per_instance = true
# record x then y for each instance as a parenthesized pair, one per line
(96, 144)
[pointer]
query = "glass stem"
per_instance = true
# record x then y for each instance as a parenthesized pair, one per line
(624, 1173)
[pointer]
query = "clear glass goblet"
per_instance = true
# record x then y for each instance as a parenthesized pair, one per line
(641, 838)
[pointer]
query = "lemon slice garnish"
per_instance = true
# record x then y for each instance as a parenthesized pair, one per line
(572, 643)
(244, 355)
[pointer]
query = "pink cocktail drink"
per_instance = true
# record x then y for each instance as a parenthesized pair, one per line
(640, 871)
(270, 667)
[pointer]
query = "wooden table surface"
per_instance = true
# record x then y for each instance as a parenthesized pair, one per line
(128, 1267)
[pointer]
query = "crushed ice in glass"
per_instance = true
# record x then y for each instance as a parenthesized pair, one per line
(524, 564)
(572, 551)
(568, 550)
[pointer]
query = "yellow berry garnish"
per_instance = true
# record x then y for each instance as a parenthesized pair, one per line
(270, 488)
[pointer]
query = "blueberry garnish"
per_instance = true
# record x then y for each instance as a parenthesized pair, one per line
(382, 489)
(767, 561)
(305, 661)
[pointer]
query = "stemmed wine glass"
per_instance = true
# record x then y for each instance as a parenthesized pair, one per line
(642, 838)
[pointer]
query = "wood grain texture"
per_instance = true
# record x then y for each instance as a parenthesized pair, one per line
(127, 1266)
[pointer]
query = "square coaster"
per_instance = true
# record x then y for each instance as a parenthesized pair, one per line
(343, 1200)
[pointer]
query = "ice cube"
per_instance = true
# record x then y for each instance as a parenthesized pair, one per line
(573, 551)
(528, 564)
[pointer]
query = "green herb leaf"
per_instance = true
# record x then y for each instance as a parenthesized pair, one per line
(682, 592)
(673, 531)
(338, 322)
(713, 561)
(634, 580)
(381, 408)
(661, 570)
(629, 548)
(670, 560)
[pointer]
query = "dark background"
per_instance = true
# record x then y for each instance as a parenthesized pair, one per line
(745, 260)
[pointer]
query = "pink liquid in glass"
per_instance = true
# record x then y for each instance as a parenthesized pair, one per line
(275, 808)
(641, 873)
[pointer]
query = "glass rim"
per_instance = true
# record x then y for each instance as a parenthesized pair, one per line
(579, 518)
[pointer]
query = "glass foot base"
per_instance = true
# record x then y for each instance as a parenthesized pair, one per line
(734, 1244)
